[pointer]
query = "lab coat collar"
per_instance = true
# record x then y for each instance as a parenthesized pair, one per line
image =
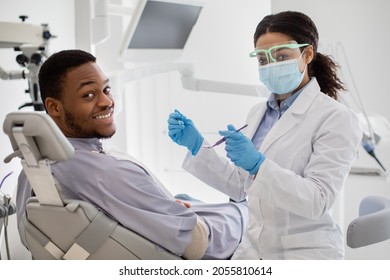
(309, 93)
(255, 119)
(293, 115)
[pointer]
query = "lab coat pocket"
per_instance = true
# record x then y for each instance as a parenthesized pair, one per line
(316, 245)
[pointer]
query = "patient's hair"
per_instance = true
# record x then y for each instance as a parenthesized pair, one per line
(53, 71)
(301, 28)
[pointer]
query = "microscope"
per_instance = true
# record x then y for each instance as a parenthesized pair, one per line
(31, 42)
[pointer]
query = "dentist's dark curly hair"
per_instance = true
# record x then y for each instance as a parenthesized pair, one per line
(53, 71)
(302, 29)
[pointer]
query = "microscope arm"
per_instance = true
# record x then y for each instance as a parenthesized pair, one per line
(12, 75)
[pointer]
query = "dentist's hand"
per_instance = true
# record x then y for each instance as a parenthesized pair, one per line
(183, 132)
(241, 150)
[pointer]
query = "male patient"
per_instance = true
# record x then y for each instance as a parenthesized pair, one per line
(77, 96)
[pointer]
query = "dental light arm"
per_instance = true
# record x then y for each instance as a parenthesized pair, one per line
(188, 80)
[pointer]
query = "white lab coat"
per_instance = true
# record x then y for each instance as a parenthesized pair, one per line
(309, 153)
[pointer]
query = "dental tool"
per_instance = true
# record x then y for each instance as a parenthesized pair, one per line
(223, 139)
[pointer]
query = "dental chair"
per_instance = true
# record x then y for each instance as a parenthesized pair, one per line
(372, 225)
(52, 226)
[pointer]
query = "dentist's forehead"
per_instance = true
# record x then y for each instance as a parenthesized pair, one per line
(271, 39)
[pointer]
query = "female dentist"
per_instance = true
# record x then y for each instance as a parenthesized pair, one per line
(296, 153)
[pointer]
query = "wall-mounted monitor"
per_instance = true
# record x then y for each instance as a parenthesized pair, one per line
(159, 29)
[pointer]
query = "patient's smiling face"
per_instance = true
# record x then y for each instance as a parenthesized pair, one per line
(86, 107)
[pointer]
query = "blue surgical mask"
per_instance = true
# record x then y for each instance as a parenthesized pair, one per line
(281, 77)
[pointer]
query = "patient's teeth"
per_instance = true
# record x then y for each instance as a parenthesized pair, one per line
(103, 116)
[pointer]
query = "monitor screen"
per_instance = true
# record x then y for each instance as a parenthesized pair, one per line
(160, 30)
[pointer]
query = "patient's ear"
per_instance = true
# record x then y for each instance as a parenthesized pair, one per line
(53, 107)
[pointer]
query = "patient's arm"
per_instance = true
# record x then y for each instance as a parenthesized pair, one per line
(200, 241)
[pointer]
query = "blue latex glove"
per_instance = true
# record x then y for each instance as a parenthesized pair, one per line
(183, 132)
(241, 150)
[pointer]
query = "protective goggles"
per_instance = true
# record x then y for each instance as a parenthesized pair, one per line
(278, 53)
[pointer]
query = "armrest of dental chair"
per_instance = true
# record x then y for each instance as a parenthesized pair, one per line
(372, 225)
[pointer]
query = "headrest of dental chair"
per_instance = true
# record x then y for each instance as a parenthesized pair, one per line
(39, 128)
(372, 225)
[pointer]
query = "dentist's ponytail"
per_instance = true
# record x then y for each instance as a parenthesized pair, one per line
(325, 70)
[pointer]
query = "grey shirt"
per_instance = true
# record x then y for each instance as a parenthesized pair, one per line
(130, 194)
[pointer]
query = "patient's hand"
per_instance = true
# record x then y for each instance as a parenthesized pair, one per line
(186, 204)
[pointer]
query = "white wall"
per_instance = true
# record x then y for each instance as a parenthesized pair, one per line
(361, 27)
